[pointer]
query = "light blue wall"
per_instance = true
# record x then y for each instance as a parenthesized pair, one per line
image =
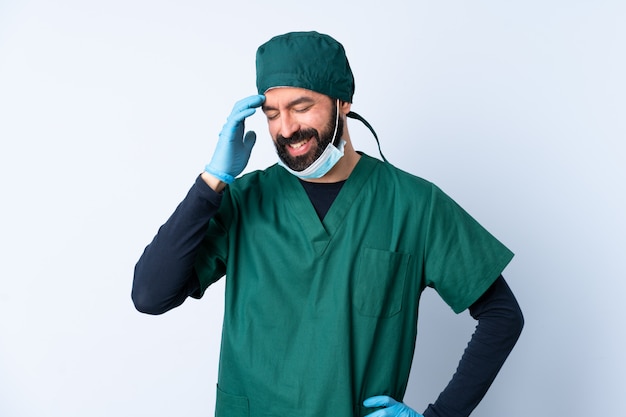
(109, 110)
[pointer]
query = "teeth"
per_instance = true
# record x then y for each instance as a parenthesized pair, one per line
(299, 144)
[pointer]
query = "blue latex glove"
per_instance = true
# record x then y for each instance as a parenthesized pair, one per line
(392, 407)
(233, 149)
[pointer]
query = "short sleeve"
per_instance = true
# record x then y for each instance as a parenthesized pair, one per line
(462, 259)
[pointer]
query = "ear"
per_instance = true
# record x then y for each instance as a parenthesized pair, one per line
(344, 107)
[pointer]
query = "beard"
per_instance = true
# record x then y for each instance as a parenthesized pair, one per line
(322, 140)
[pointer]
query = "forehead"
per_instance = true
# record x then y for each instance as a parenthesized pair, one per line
(278, 96)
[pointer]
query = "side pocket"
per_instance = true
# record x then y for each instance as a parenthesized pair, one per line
(228, 405)
(379, 285)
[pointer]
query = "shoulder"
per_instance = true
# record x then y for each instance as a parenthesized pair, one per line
(254, 178)
(394, 177)
(257, 182)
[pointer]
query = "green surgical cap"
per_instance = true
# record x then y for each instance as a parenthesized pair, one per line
(308, 60)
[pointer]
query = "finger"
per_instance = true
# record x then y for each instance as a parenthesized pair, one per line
(379, 401)
(240, 116)
(249, 140)
(243, 109)
(251, 102)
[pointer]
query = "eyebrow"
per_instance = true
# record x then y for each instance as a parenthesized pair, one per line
(295, 102)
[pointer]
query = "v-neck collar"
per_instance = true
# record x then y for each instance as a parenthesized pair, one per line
(321, 232)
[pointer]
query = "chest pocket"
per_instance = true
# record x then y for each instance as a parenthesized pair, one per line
(379, 284)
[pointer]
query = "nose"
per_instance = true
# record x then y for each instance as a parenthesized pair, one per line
(288, 125)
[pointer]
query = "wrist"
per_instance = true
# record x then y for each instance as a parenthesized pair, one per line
(215, 183)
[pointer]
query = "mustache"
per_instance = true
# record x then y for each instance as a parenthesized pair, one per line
(298, 136)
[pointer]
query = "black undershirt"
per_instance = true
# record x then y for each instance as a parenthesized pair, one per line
(322, 195)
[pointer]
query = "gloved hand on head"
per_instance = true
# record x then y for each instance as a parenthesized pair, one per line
(233, 149)
(392, 408)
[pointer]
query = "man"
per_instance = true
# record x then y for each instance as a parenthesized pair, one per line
(325, 256)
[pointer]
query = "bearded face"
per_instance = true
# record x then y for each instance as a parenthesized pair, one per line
(315, 140)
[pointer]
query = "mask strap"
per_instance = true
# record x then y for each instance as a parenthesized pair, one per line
(336, 125)
(356, 116)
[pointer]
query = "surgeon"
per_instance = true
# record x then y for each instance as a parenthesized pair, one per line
(325, 255)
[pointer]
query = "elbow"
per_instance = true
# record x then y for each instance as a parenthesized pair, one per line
(518, 321)
(159, 290)
(514, 325)
(154, 300)
(142, 293)
(144, 303)
(147, 297)
(148, 294)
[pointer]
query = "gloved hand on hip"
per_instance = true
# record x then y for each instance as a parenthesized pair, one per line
(233, 149)
(392, 408)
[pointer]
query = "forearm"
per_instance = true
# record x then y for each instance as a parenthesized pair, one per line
(500, 322)
(164, 275)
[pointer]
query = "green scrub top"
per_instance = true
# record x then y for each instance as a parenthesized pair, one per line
(320, 315)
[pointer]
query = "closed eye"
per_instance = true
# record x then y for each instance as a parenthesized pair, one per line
(302, 109)
(271, 114)
(299, 105)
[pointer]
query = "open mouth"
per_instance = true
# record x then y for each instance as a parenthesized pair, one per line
(301, 147)
(299, 144)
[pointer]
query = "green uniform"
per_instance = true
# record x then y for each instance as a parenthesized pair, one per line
(321, 315)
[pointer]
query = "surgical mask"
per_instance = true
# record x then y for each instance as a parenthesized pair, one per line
(321, 165)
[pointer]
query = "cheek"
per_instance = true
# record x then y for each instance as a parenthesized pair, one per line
(272, 127)
(312, 118)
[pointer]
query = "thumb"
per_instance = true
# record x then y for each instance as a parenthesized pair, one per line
(249, 140)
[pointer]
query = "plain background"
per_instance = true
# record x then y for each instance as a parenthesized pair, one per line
(110, 109)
